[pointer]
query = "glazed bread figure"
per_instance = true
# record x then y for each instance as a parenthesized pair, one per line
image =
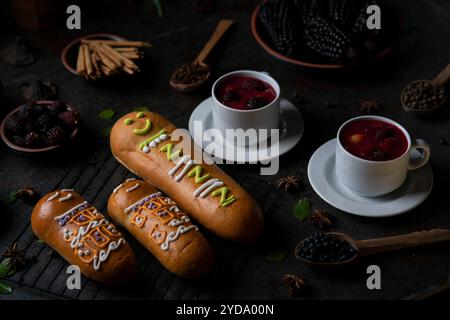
(161, 227)
(82, 236)
(142, 142)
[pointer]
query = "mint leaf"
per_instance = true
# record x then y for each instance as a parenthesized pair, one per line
(6, 268)
(275, 256)
(159, 8)
(301, 209)
(140, 109)
(106, 114)
(5, 289)
(12, 197)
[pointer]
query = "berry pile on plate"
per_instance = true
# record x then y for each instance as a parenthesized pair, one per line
(333, 31)
(37, 125)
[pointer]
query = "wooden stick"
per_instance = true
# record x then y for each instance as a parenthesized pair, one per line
(131, 55)
(114, 43)
(96, 63)
(81, 67)
(125, 61)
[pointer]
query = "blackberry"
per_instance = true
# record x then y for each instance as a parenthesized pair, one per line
(230, 95)
(340, 12)
(28, 127)
(328, 40)
(256, 102)
(254, 85)
(43, 122)
(26, 111)
(56, 135)
(14, 124)
(277, 18)
(32, 139)
(69, 117)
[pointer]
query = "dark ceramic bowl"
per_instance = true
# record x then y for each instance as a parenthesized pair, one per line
(70, 52)
(307, 60)
(22, 149)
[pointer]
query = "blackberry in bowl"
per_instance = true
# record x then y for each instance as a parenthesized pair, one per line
(40, 126)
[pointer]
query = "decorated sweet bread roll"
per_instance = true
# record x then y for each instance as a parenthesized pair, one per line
(161, 227)
(142, 142)
(82, 236)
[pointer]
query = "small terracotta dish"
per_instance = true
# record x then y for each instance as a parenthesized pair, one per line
(28, 150)
(70, 52)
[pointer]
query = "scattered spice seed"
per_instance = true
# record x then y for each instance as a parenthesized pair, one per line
(295, 284)
(423, 95)
(370, 106)
(320, 219)
(289, 183)
(324, 248)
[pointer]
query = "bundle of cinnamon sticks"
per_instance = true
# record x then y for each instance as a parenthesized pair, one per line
(102, 58)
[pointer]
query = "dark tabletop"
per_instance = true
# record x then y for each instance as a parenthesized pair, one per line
(241, 272)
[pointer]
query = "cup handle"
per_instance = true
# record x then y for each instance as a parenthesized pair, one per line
(419, 154)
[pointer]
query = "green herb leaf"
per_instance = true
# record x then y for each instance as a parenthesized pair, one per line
(302, 209)
(106, 114)
(12, 197)
(6, 268)
(159, 7)
(275, 256)
(5, 289)
(142, 109)
(106, 132)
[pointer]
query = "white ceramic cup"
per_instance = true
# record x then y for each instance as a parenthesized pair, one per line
(267, 117)
(376, 178)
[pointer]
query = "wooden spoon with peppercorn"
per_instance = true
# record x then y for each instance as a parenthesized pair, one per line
(425, 96)
(338, 249)
(191, 76)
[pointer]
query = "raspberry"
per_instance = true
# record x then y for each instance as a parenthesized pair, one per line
(28, 127)
(32, 139)
(256, 102)
(69, 117)
(56, 135)
(13, 124)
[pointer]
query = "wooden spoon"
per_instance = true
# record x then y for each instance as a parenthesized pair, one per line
(440, 80)
(380, 245)
(221, 28)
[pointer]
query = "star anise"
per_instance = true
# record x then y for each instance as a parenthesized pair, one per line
(370, 106)
(295, 284)
(16, 255)
(320, 219)
(27, 194)
(289, 183)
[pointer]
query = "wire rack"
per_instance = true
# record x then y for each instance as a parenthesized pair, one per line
(95, 179)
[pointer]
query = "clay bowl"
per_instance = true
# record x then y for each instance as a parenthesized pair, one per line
(25, 150)
(70, 51)
(306, 61)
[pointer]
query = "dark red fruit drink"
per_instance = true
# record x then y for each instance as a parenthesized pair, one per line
(244, 93)
(374, 140)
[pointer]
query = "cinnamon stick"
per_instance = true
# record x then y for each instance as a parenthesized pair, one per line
(106, 59)
(113, 43)
(126, 49)
(81, 67)
(123, 60)
(88, 61)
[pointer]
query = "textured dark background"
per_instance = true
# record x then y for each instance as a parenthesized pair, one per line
(424, 49)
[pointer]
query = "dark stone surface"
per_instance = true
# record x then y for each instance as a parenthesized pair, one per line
(424, 50)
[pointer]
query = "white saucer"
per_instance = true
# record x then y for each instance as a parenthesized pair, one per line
(291, 125)
(323, 179)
